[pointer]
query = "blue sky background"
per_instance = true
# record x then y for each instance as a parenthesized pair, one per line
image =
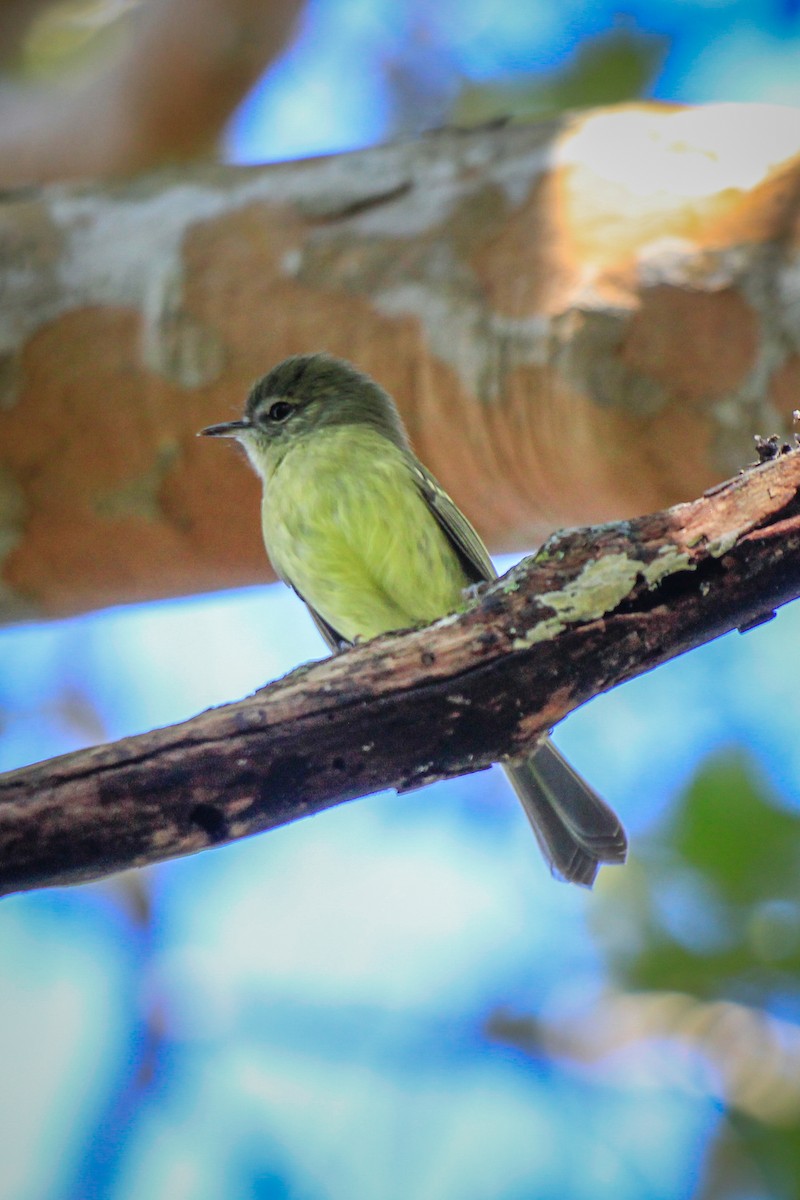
(304, 1014)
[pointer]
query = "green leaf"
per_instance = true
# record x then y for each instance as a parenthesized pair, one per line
(711, 906)
(615, 66)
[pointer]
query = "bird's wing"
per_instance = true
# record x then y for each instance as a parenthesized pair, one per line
(465, 541)
(333, 640)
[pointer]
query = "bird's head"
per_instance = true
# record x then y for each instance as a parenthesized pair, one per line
(302, 395)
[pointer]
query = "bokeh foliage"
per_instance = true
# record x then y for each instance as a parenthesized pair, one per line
(617, 65)
(710, 910)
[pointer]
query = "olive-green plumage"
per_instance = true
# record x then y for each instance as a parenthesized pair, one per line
(369, 540)
(345, 547)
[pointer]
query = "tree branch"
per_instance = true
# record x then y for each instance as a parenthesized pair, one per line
(755, 1054)
(595, 607)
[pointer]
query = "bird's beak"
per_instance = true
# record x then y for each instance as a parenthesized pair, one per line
(226, 429)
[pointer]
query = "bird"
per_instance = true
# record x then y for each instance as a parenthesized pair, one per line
(364, 534)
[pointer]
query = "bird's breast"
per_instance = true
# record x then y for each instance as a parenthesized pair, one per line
(345, 524)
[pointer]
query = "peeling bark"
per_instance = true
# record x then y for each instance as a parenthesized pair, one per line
(595, 607)
(580, 320)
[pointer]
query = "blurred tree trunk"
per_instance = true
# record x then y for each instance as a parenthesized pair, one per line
(580, 320)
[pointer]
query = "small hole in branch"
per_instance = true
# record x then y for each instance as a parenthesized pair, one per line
(212, 822)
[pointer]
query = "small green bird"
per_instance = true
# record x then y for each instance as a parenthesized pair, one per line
(364, 534)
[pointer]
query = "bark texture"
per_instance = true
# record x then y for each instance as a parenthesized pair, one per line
(594, 608)
(580, 320)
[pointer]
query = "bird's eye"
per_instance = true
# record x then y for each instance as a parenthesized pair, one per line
(280, 410)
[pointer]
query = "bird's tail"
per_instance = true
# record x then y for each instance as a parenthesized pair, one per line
(575, 829)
